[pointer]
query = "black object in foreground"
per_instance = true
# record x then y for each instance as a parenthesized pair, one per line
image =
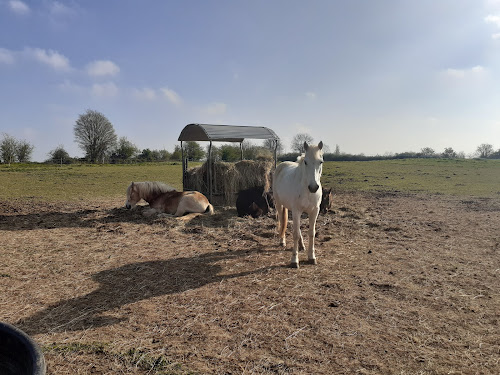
(19, 354)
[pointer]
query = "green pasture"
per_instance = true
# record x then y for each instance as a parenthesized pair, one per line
(81, 181)
(462, 177)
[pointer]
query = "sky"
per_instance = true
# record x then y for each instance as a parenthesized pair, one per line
(371, 76)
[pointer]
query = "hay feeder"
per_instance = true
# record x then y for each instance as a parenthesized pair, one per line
(220, 181)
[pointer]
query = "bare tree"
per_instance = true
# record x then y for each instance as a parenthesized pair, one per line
(484, 150)
(8, 147)
(298, 140)
(270, 145)
(95, 135)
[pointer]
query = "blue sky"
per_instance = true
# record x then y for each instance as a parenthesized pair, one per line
(374, 76)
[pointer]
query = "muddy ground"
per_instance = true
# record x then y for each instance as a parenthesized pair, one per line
(404, 284)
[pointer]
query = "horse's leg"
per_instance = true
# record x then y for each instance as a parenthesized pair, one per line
(149, 212)
(294, 263)
(181, 208)
(284, 223)
(301, 239)
(311, 255)
(281, 222)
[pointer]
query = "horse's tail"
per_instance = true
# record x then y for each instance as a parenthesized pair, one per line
(210, 209)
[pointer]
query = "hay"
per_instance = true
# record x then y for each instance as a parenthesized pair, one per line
(229, 178)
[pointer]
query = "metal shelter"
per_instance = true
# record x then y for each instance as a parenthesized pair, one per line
(222, 133)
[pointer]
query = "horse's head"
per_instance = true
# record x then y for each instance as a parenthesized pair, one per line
(133, 196)
(313, 165)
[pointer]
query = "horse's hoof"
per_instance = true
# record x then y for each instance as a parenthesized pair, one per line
(312, 261)
(294, 265)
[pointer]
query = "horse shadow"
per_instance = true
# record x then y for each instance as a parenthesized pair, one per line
(132, 283)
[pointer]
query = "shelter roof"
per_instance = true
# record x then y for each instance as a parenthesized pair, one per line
(224, 133)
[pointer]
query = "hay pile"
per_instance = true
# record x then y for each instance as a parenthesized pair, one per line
(229, 178)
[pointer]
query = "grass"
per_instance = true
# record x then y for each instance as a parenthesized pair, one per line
(131, 359)
(460, 177)
(81, 181)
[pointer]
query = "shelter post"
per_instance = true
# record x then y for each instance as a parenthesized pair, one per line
(209, 174)
(275, 152)
(184, 167)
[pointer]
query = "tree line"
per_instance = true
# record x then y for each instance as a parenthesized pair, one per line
(96, 136)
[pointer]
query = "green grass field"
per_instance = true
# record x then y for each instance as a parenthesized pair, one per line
(480, 178)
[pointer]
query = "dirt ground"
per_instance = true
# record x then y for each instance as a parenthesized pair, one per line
(405, 284)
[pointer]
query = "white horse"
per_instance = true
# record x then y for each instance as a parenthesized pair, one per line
(297, 187)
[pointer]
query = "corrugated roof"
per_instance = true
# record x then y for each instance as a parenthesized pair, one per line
(224, 133)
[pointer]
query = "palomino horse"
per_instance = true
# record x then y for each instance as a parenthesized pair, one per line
(297, 187)
(164, 199)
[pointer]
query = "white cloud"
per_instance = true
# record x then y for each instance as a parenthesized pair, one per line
(145, 94)
(216, 109)
(6, 56)
(51, 58)
(492, 3)
(492, 19)
(107, 90)
(57, 8)
(102, 68)
(172, 96)
(495, 36)
(477, 70)
(19, 7)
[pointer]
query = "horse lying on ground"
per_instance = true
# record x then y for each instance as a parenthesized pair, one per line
(297, 187)
(254, 202)
(165, 199)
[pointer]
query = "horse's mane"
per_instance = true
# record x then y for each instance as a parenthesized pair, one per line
(149, 189)
(300, 158)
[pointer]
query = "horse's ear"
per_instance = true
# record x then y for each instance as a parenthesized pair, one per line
(306, 146)
(320, 145)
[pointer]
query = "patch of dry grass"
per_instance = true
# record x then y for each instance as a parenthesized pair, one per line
(404, 284)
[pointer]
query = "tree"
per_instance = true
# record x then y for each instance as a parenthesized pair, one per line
(298, 142)
(269, 144)
(177, 154)
(337, 150)
(146, 155)
(484, 150)
(229, 153)
(193, 151)
(427, 152)
(164, 155)
(125, 149)
(8, 147)
(59, 155)
(449, 153)
(23, 151)
(95, 135)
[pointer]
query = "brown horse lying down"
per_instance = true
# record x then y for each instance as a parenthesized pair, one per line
(164, 199)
